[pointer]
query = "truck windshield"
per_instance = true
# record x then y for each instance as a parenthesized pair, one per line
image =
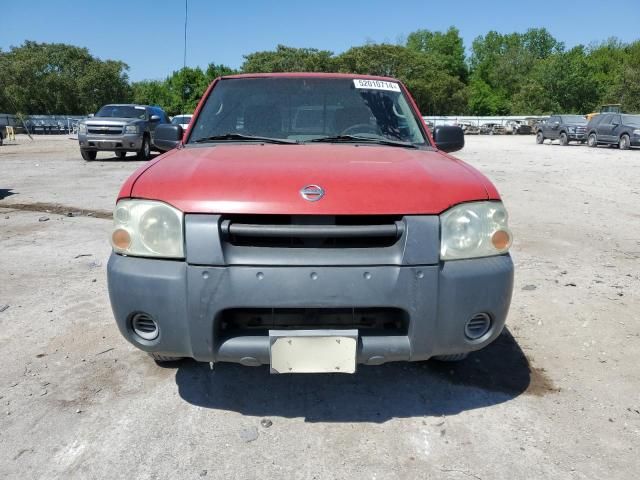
(121, 111)
(574, 119)
(307, 109)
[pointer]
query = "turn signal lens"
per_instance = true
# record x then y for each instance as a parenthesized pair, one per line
(501, 240)
(121, 239)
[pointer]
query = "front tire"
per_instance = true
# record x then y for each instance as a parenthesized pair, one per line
(539, 138)
(88, 155)
(592, 140)
(564, 140)
(625, 142)
(145, 149)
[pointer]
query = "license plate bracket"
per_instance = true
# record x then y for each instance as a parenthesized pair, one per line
(313, 351)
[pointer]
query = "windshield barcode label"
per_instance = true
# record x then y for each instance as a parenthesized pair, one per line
(376, 85)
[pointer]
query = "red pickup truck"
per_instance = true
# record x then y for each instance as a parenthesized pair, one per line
(309, 222)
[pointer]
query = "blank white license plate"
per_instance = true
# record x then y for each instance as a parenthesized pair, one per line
(313, 351)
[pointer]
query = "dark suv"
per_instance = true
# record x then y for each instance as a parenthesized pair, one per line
(565, 128)
(614, 129)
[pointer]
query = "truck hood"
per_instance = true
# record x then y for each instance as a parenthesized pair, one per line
(267, 179)
(109, 120)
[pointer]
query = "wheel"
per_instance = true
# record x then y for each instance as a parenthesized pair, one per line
(121, 155)
(88, 155)
(564, 140)
(592, 140)
(145, 150)
(625, 142)
(539, 138)
(456, 357)
(163, 358)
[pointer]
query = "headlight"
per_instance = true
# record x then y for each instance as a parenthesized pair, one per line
(131, 129)
(147, 228)
(636, 132)
(572, 129)
(476, 229)
(82, 128)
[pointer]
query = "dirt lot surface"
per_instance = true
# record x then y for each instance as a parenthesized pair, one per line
(556, 397)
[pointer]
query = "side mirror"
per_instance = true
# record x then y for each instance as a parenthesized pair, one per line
(167, 136)
(155, 118)
(448, 138)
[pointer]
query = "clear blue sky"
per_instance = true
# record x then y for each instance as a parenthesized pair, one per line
(148, 34)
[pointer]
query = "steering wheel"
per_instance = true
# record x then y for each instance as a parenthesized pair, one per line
(361, 128)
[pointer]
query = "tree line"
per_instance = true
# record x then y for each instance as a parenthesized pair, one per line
(502, 74)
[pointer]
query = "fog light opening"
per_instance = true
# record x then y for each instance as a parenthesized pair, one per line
(478, 326)
(144, 326)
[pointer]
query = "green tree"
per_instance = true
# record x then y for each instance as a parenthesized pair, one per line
(448, 46)
(149, 92)
(56, 78)
(214, 71)
(559, 83)
(502, 64)
(184, 89)
(288, 59)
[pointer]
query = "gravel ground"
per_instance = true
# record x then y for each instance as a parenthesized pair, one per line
(557, 396)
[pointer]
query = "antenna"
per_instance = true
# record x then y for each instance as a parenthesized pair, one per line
(184, 56)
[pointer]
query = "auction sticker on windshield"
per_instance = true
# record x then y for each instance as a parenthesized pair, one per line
(376, 85)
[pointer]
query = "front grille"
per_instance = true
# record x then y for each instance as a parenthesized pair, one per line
(105, 129)
(581, 130)
(312, 231)
(258, 321)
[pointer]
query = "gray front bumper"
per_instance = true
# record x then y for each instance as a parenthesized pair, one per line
(124, 143)
(186, 300)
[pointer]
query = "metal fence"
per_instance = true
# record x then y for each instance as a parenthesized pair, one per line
(42, 124)
(479, 121)
(68, 124)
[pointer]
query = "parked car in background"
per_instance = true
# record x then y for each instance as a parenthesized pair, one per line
(344, 238)
(516, 127)
(622, 130)
(120, 129)
(182, 120)
(469, 128)
(492, 129)
(565, 128)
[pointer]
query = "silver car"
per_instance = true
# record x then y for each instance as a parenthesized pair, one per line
(120, 129)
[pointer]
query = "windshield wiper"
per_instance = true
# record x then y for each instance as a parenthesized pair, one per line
(240, 137)
(356, 138)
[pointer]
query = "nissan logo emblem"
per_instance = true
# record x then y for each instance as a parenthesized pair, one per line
(312, 193)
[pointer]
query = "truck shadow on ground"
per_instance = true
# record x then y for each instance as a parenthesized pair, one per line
(128, 159)
(494, 375)
(6, 192)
